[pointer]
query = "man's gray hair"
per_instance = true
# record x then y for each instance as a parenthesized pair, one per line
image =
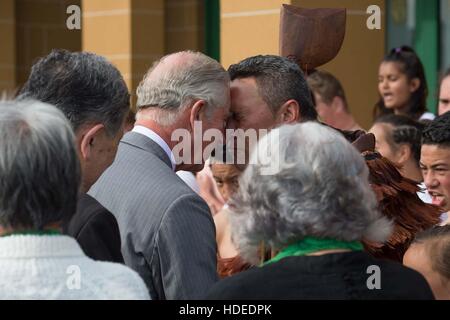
(170, 89)
(320, 190)
(39, 168)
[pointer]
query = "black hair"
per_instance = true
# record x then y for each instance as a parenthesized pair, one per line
(84, 86)
(278, 79)
(409, 64)
(438, 131)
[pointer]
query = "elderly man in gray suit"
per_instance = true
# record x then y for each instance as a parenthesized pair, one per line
(168, 234)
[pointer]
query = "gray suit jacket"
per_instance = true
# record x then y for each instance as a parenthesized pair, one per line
(167, 231)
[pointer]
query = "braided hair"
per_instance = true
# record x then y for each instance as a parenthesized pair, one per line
(405, 131)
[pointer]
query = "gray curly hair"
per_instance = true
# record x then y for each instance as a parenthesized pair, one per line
(321, 189)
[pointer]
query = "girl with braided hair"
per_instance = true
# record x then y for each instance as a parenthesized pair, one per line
(398, 138)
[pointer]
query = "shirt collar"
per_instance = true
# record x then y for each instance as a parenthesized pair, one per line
(39, 246)
(157, 139)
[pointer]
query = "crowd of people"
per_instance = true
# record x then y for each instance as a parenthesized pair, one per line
(97, 202)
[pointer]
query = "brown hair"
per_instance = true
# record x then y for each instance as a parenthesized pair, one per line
(437, 240)
(326, 86)
(398, 200)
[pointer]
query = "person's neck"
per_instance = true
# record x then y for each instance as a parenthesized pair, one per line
(324, 252)
(164, 132)
(411, 171)
(403, 110)
(57, 226)
(345, 121)
(85, 186)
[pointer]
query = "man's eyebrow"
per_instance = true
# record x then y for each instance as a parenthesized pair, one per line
(440, 164)
(434, 165)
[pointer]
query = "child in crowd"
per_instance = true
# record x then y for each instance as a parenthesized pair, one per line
(402, 85)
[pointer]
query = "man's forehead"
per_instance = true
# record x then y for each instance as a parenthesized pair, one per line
(431, 152)
(244, 93)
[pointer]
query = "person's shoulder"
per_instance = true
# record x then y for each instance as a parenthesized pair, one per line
(186, 200)
(243, 285)
(401, 281)
(89, 212)
(90, 209)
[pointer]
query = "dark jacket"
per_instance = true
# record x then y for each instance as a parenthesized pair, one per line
(331, 276)
(96, 230)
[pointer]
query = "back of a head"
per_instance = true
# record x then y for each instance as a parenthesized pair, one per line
(84, 86)
(327, 86)
(39, 169)
(177, 80)
(437, 243)
(320, 189)
(278, 79)
(405, 130)
(438, 132)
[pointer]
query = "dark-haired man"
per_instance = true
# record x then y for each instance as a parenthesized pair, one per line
(92, 94)
(267, 91)
(435, 161)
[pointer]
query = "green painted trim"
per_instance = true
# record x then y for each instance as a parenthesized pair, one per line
(212, 28)
(426, 44)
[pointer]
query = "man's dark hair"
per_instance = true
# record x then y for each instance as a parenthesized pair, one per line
(279, 80)
(327, 86)
(438, 131)
(84, 86)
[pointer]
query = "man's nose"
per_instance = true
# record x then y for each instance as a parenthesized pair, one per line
(430, 180)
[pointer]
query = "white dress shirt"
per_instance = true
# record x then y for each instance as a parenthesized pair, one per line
(424, 195)
(156, 138)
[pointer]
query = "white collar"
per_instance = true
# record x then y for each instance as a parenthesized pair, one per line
(39, 246)
(156, 138)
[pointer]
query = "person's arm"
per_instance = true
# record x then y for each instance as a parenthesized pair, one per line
(209, 191)
(99, 238)
(186, 249)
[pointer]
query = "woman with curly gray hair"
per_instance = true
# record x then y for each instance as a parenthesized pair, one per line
(315, 208)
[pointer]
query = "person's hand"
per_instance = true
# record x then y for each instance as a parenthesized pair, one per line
(209, 191)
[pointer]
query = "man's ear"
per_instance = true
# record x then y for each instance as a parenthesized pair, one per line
(337, 104)
(89, 140)
(403, 154)
(288, 113)
(414, 84)
(197, 112)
